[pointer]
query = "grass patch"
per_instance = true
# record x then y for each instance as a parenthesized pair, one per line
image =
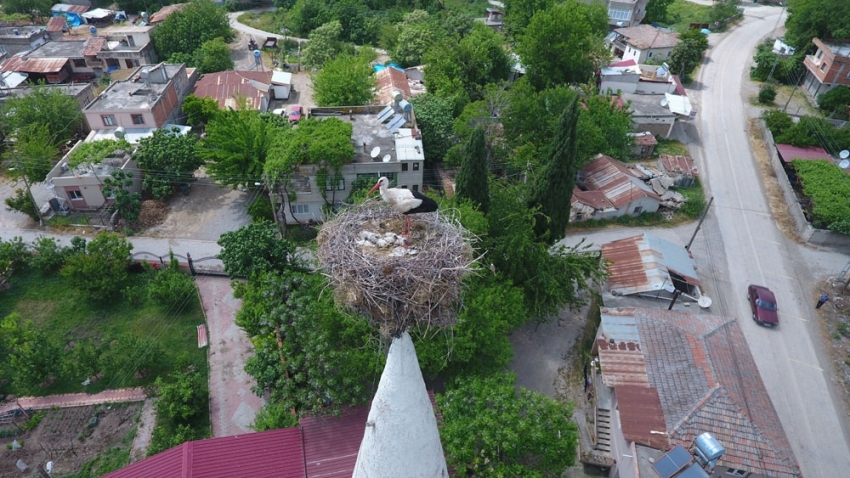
(681, 13)
(265, 21)
(670, 146)
(63, 313)
(696, 202)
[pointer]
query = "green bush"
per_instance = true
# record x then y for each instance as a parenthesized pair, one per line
(767, 94)
(34, 421)
(48, 255)
(828, 186)
(261, 209)
(22, 202)
(170, 286)
(777, 121)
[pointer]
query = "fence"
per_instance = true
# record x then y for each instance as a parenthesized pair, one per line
(204, 266)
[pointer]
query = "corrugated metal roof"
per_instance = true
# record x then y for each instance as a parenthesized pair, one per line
(277, 453)
(643, 263)
(390, 79)
(93, 46)
(331, 443)
(65, 8)
(33, 65)
(227, 85)
(622, 362)
(641, 416)
(788, 152)
(679, 164)
(645, 139)
(56, 24)
(620, 183)
(594, 199)
(620, 328)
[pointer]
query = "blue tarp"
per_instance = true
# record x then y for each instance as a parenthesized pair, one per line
(388, 65)
(73, 19)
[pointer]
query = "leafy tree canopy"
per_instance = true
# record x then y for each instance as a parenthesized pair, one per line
(167, 158)
(345, 81)
(33, 152)
(518, 14)
(835, 102)
(199, 110)
(785, 70)
(212, 56)
(255, 248)
(101, 269)
(434, 117)
(28, 6)
(824, 19)
(324, 44)
(417, 33)
(31, 355)
(472, 180)
(127, 203)
(687, 55)
(93, 152)
(531, 118)
(603, 127)
(185, 30)
(656, 11)
(309, 355)
(516, 432)
(323, 142)
(237, 145)
(43, 105)
(563, 44)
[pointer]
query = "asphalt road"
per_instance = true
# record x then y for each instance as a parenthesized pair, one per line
(744, 246)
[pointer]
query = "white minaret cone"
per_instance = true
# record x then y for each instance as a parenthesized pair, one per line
(401, 438)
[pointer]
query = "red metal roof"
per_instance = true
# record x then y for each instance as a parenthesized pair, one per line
(641, 415)
(679, 164)
(33, 65)
(390, 79)
(788, 152)
(277, 453)
(56, 24)
(620, 183)
(164, 12)
(225, 86)
(622, 363)
(331, 443)
(93, 46)
(629, 62)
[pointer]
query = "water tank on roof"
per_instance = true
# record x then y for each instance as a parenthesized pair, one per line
(120, 132)
(405, 106)
(708, 449)
(144, 16)
(93, 31)
(397, 96)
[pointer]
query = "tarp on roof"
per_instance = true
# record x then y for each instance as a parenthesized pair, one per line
(97, 14)
(679, 105)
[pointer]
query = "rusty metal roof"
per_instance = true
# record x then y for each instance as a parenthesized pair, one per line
(619, 348)
(93, 46)
(331, 443)
(641, 416)
(643, 263)
(679, 164)
(645, 139)
(390, 79)
(621, 184)
(56, 24)
(164, 12)
(33, 65)
(227, 85)
(66, 8)
(594, 199)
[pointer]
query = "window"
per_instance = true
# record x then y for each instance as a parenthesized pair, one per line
(637, 210)
(79, 63)
(403, 167)
(75, 195)
(416, 166)
(734, 472)
(616, 13)
(130, 41)
(138, 119)
(650, 54)
(820, 54)
(339, 187)
(823, 66)
(404, 186)
(416, 187)
(108, 120)
(373, 177)
(299, 208)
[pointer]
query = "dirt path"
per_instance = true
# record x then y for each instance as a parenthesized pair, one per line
(144, 432)
(120, 395)
(232, 403)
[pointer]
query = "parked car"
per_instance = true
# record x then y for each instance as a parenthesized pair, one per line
(763, 304)
(280, 112)
(295, 114)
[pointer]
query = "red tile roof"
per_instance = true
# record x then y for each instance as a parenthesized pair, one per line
(164, 12)
(390, 79)
(629, 62)
(645, 37)
(277, 453)
(225, 86)
(679, 164)
(788, 152)
(331, 443)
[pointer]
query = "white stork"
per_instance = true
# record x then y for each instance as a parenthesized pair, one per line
(404, 200)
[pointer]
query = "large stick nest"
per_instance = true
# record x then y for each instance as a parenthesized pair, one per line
(362, 253)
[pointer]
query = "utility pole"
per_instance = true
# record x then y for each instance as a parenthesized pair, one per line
(701, 219)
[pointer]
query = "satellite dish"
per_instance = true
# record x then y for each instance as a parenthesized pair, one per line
(664, 101)
(844, 164)
(844, 154)
(704, 302)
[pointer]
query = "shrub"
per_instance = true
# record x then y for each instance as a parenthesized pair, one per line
(48, 255)
(22, 202)
(767, 94)
(170, 286)
(261, 209)
(777, 121)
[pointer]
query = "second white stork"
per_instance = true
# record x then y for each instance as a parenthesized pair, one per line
(404, 200)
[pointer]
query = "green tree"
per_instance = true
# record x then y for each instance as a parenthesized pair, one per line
(199, 110)
(518, 432)
(434, 117)
(310, 356)
(553, 186)
(164, 438)
(167, 158)
(236, 146)
(126, 203)
(125, 355)
(31, 355)
(472, 181)
(272, 417)
(43, 105)
(212, 56)
(182, 397)
(22, 202)
(33, 151)
(185, 30)
(48, 255)
(687, 55)
(417, 33)
(307, 16)
(101, 269)
(603, 127)
(777, 121)
(656, 11)
(563, 45)
(83, 361)
(344, 81)
(518, 14)
(255, 248)
(28, 7)
(323, 45)
(824, 19)
(721, 11)
(836, 102)
(169, 287)
(471, 63)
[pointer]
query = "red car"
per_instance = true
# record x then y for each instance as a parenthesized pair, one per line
(295, 114)
(763, 304)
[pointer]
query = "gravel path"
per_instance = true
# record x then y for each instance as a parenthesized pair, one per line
(232, 403)
(119, 395)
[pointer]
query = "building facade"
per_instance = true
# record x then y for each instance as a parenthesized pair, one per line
(827, 68)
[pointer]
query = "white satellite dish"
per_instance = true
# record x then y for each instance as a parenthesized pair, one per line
(704, 302)
(844, 154)
(664, 101)
(844, 164)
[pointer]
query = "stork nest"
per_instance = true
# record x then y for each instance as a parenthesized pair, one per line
(362, 252)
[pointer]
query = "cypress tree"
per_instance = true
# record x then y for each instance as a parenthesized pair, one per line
(472, 181)
(553, 187)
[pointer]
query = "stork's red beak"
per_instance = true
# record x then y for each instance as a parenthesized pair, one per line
(374, 188)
